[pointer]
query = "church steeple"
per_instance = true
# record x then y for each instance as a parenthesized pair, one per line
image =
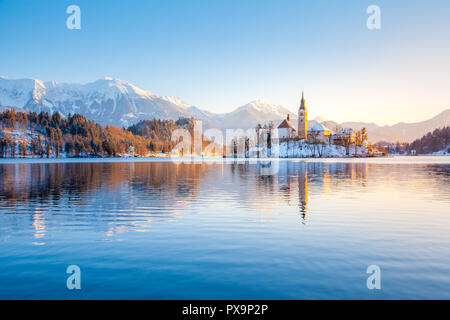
(302, 103)
(302, 119)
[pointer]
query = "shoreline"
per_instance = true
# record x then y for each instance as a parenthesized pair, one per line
(387, 159)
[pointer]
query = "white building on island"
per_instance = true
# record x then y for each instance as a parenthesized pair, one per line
(286, 130)
(319, 133)
(343, 136)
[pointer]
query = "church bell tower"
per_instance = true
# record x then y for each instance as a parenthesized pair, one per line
(302, 119)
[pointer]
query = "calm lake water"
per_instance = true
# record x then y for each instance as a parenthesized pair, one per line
(164, 230)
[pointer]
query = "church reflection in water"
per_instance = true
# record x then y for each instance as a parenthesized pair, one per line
(302, 179)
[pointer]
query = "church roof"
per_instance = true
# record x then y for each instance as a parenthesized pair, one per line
(318, 127)
(286, 124)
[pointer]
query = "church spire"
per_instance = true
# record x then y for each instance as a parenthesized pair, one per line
(302, 119)
(302, 103)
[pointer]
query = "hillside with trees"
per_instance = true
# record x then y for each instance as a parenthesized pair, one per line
(438, 140)
(32, 134)
(159, 132)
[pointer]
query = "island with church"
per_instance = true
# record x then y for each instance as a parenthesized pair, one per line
(318, 141)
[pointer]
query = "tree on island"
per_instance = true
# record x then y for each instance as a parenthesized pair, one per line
(316, 143)
(360, 138)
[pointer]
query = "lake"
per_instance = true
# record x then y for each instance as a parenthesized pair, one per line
(233, 229)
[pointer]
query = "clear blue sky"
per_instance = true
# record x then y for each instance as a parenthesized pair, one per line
(221, 54)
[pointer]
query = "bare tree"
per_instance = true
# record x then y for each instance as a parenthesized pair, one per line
(360, 137)
(364, 134)
(258, 133)
(23, 148)
(357, 140)
(13, 147)
(314, 138)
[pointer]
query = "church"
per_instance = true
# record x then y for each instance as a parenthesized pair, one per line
(302, 119)
(287, 131)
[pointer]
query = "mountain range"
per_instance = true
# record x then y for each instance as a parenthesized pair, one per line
(401, 132)
(120, 103)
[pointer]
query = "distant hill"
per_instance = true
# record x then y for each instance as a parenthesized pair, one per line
(438, 140)
(402, 132)
(159, 132)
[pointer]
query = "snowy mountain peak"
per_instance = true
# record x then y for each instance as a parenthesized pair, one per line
(16, 93)
(177, 101)
(201, 114)
(265, 107)
(107, 100)
(113, 87)
(320, 119)
(258, 102)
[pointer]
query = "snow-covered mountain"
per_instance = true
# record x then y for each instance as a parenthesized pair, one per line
(177, 101)
(320, 119)
(117, 102)
(251, 114)
(106, 101)
(247, 116)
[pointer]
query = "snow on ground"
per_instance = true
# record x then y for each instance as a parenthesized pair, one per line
(301, 149)
(20, 135)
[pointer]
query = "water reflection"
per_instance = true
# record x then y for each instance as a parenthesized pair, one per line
(39, 228)
(50, 182)
(303, 192)
(226, 230)
(121, 197)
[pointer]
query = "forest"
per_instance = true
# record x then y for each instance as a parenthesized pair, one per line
(45, 135)
(159, 132)
(435, 141)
